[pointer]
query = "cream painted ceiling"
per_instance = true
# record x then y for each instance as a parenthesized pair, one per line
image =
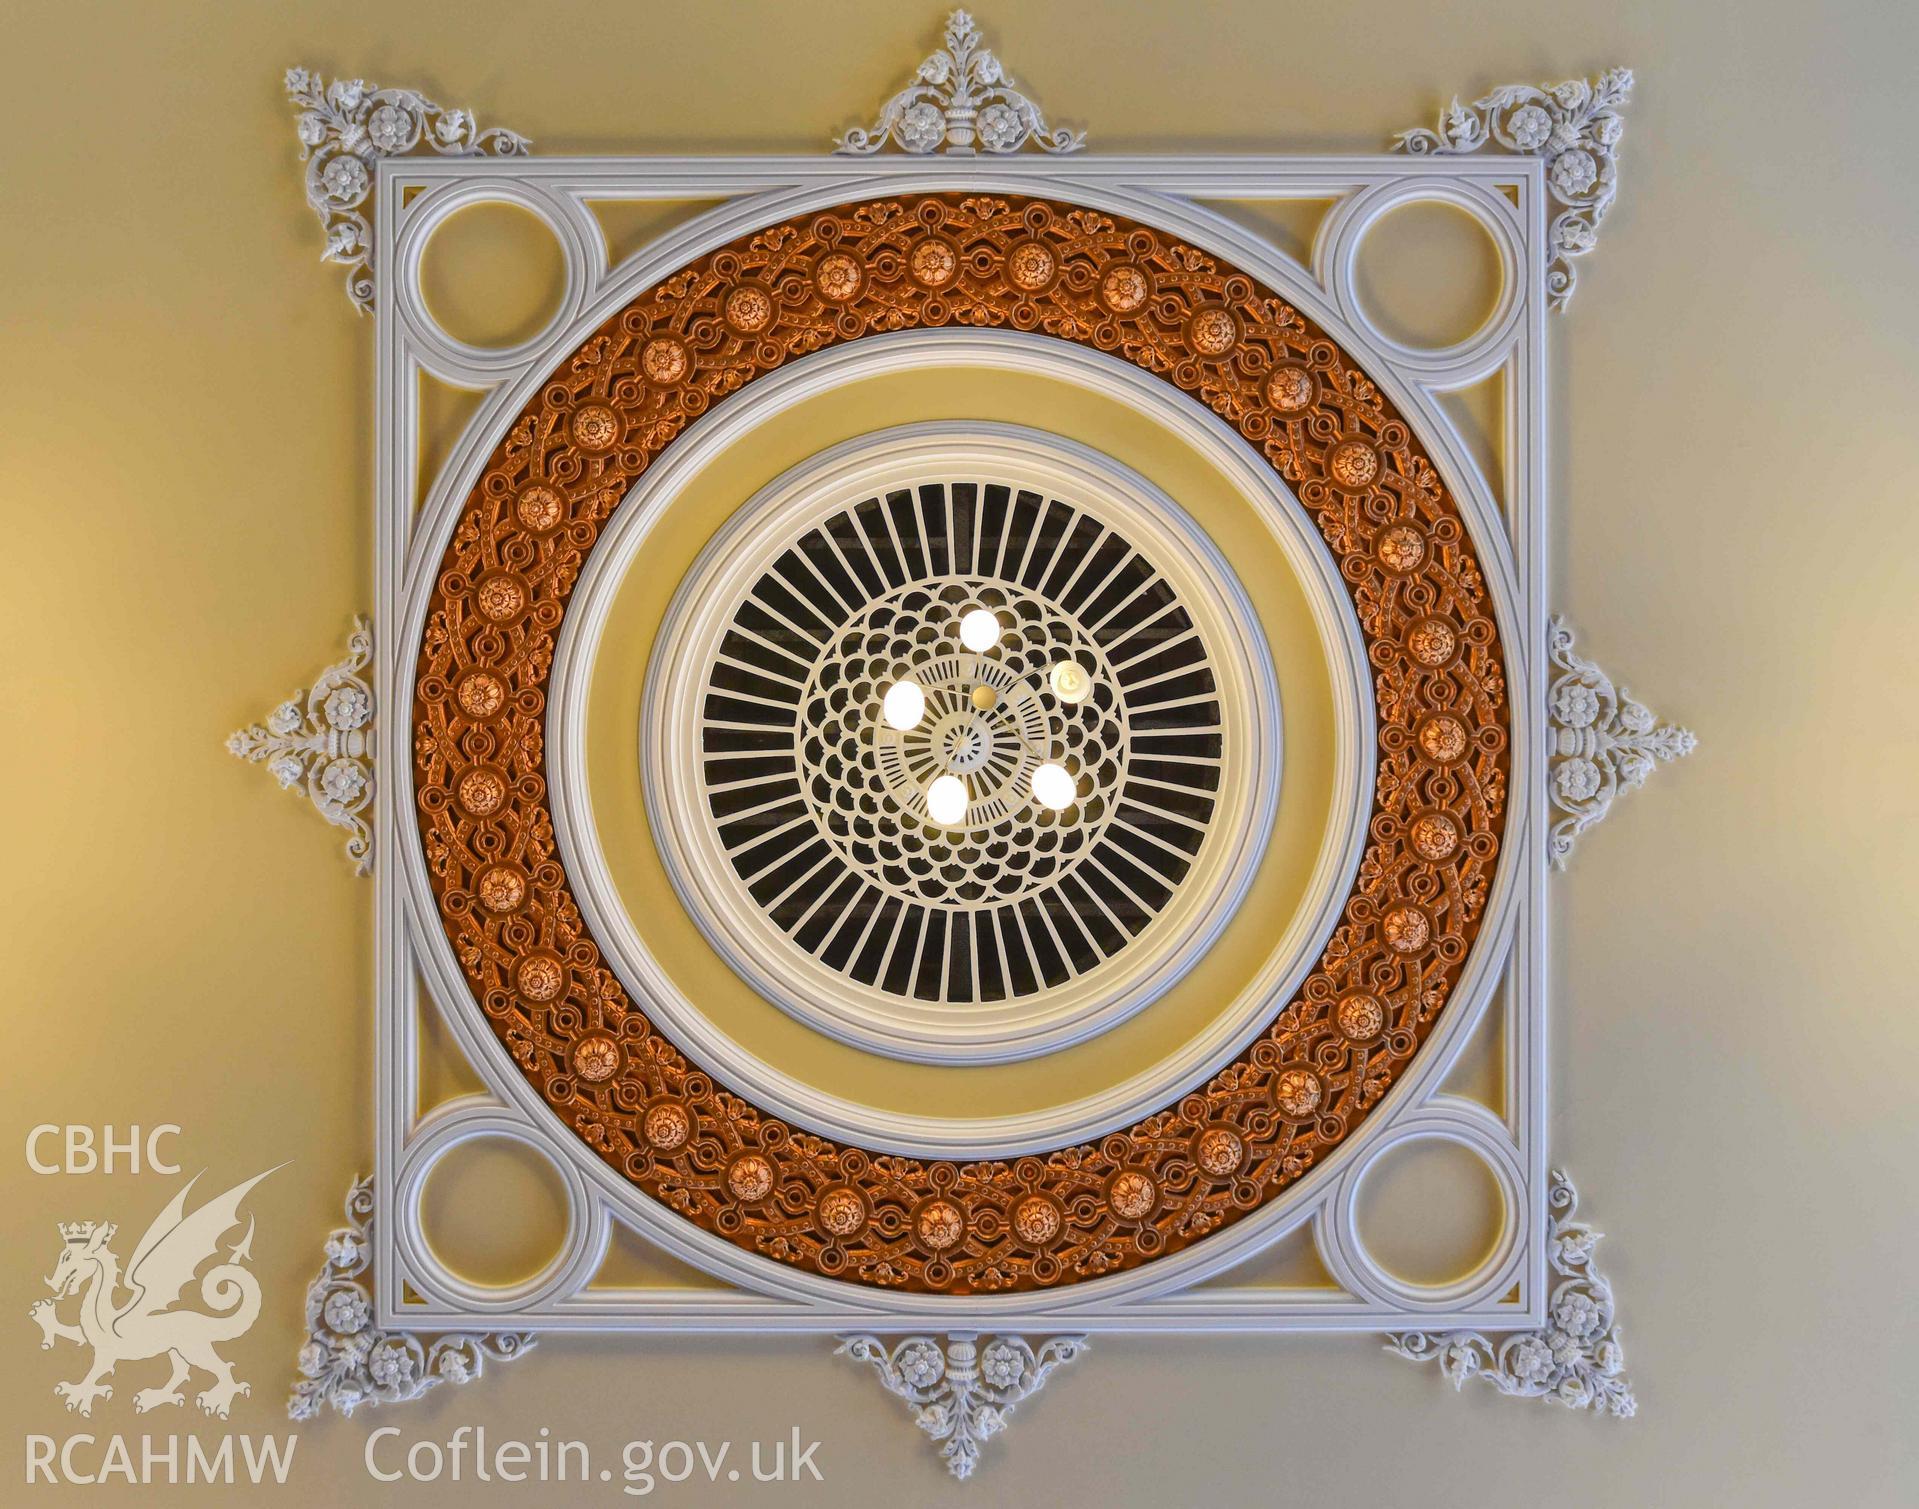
(186, 485)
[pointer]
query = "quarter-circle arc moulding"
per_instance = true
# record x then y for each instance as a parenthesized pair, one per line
(961, 228)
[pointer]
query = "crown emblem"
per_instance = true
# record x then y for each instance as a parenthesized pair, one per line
(82, 1231)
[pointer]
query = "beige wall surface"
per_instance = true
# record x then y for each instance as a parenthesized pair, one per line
(185, 485)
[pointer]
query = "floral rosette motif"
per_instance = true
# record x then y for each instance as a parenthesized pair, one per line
(345, 128)
(1576, 1361)
(962, 100)
(1604, 742)
(348, 1360)
(1575, 127)
(962, 1394)
(321, 742)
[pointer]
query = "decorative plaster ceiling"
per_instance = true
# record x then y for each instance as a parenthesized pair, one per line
(801, 825)
(796, 816)
(618, 399)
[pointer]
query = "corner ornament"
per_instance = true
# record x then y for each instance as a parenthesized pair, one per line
(1575, 126)
(1576, 1361)
(962, 1394)
(1602, 743)
(345, 128)
(961, 101)
(321, 741)
(348, 1361)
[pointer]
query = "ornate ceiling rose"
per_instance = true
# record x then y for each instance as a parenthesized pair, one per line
(1080, 668)
(1183, 1172)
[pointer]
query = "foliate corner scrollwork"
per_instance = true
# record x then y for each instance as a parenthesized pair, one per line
(321, 741)
(962, 1392)
(345, 128)
(1603, 742)
(348, 1361)
(961, 101)
(1576, 1361)
(1575, 127)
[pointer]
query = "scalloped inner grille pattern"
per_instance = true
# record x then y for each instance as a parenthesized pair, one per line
(820, 805)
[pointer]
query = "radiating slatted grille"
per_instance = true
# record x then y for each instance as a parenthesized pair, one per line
(821, 817)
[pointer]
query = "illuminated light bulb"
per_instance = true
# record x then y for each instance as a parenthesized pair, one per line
(946, 800)
(904, 706)
(1053, 787)
(979, 630)
(1070, 680)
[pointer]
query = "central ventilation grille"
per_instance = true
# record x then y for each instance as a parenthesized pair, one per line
(821, 806)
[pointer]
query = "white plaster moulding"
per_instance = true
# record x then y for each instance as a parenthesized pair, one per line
(1563, 140)
(556, 1299)
(1353, 775)
(665, 749)
(960, 95)
(1576, 1359)
(346, 128)
(320, 742)
(1574, 128)
(349, 1361)
(1603, 742)
(962, 1394)
(1156, 191)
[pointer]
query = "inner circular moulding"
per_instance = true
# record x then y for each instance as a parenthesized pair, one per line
(963, 746)
(827, 810)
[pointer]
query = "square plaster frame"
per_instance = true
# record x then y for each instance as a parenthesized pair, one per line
(1505, 982)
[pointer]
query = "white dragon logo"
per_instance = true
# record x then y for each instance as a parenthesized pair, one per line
(163, 1263)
